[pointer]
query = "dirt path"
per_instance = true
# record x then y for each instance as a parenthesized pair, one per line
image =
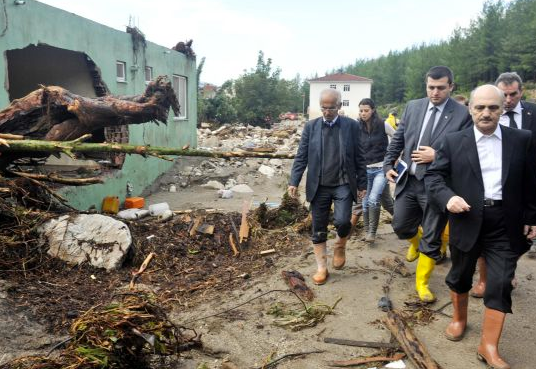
(247, 338)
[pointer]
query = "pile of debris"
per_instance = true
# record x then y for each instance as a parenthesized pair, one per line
(281, 139)
(195, 252)
(214, 173)
(123, 334)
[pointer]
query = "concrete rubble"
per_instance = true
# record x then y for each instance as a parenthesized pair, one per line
(213, 173)
(98, 239)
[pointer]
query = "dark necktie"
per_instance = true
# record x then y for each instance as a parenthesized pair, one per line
(426, 140)
(513, 123)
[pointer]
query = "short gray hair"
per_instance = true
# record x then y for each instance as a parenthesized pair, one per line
(331, 92)
(500, 94)
(509, 78)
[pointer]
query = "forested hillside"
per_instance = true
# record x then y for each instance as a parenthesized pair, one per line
(502, 38)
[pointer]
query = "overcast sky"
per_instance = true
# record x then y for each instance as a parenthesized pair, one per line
(301, 36)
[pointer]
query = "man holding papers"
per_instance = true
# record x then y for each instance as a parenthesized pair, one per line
(423, 125)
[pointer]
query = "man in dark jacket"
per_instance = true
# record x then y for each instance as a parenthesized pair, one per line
(330, 150)
(518, 114)
(423, 126)
(484, 178)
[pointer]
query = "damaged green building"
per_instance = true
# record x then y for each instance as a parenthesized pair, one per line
(43, 45)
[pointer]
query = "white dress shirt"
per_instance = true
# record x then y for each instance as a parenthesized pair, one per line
(427, 116)
(489, 149)
(505, 119)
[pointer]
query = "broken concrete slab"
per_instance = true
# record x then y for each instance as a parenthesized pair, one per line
(277, 163)
(266, 170)
(214, 185)
(242, 188)
(98, 239)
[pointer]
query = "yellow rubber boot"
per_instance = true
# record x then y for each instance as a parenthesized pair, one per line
(425, 266)
(444, 241)
(413, 250)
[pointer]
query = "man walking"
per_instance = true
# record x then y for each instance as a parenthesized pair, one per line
(485, 177)
(516, 113)
(423, 125)
(330, 149)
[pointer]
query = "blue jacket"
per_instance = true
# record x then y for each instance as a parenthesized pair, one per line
(310, 156)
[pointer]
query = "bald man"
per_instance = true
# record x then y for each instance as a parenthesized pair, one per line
(330, 149)
(484, 178)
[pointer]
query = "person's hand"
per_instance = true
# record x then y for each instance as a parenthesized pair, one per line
(361, 194)
(530, 232)
(457, 205)
(424, 155)
(292, 191)
(391, 175)
(3, 142)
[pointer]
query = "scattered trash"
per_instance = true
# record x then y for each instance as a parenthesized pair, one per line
(396, 365)
(132, 214)
(297, 320)
(172, 188)
(134, 202)
(157, 209)
(296, 282)
(165, 215)
(110, 204)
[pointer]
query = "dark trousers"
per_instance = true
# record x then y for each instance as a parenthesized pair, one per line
(501, 261)
(341, 197)
(411, 210)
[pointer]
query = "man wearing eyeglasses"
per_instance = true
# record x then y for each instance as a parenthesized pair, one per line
(485, 176)
(330, 149)
(422, 127)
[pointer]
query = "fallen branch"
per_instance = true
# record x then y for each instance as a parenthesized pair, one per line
(233, 245)
(373, 359)
(414, 349)
(8, 136)
(344, 342)
(144, 265)
(76, 146)
(273, 363)
(54, 178)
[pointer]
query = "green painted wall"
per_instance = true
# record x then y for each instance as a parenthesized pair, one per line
(37, 23)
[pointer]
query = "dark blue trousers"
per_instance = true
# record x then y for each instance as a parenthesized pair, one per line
(341, 197)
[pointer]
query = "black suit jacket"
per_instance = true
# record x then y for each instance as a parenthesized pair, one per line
(456, 171)
(528, 118)
(455, 117)
(310, 156)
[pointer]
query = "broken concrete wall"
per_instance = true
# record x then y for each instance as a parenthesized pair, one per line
(34, 23)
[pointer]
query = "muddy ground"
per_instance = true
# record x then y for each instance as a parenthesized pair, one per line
(246, 336)
(248, 339)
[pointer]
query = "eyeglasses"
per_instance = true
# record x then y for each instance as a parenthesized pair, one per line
(328, 109)
(491, 108)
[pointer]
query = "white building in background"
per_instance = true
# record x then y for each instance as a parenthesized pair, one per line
(353, 89)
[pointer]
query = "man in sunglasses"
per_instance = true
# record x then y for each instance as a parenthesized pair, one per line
(330, 149)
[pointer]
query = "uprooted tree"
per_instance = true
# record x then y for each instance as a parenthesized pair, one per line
(53, 113)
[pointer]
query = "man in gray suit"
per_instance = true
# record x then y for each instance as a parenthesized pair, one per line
(422, 128)
(331, 151)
